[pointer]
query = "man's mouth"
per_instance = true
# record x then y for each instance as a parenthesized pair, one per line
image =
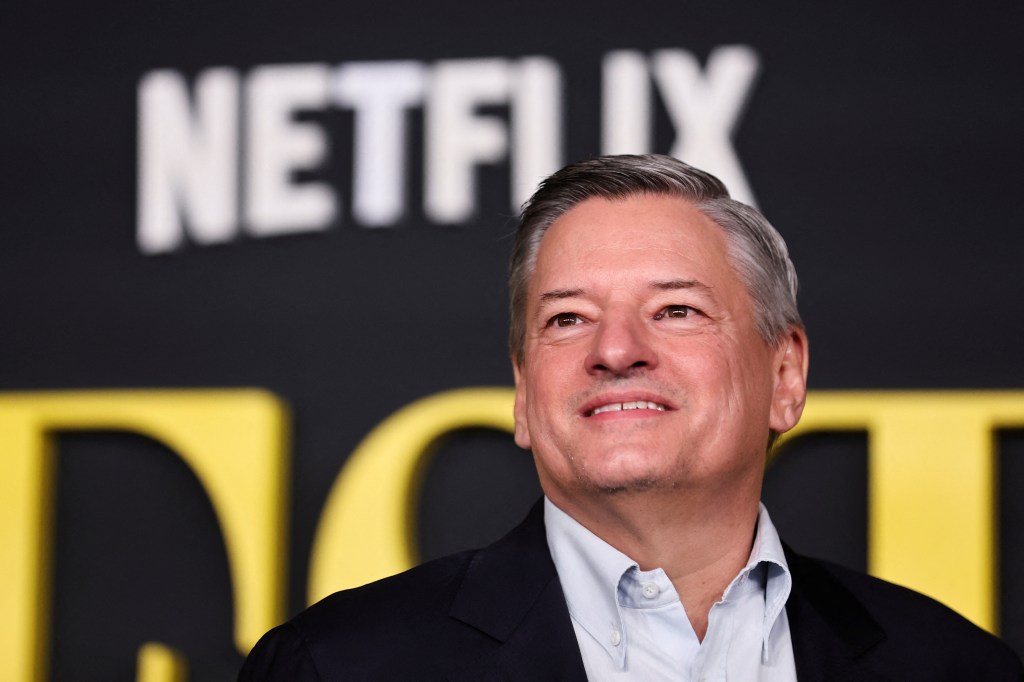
(629, 405)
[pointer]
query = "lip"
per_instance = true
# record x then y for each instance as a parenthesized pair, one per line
(626, 397)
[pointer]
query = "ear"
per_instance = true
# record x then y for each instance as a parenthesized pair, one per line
(790, 380)
(522, 426)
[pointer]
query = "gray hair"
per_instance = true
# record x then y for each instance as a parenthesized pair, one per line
(756, 249)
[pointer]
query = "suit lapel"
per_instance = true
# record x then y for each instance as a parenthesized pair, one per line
(830, 628)
(511, 592)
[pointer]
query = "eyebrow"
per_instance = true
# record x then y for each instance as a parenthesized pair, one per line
(660, 285)
(674, 284)
(558, 294)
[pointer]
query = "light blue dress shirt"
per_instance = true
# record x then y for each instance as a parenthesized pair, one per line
(631, 625)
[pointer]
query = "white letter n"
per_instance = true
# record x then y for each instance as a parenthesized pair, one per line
(188, 159)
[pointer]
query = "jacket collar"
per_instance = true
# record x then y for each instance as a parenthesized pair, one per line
(831, 630)
(511, 592)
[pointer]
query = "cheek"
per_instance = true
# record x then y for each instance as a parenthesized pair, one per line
(707, 369)
(551, 374)
(542, 407)
(734, 378)
(522, 424)
(752, 386)
(547, 401)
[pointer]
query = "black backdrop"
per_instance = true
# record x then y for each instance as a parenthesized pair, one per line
(883, 139)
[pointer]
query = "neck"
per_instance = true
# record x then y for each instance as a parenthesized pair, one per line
(701, 540)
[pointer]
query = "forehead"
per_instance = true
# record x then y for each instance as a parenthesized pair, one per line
(657, 234)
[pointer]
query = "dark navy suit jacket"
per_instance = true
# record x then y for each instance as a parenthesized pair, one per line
(499, 614)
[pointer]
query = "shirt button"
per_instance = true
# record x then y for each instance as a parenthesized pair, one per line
(649, 590)
(616, 638)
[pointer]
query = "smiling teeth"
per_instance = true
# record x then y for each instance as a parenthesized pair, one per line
(633, 405)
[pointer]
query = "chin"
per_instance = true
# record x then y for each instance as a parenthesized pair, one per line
(639, 485)
(641, 479)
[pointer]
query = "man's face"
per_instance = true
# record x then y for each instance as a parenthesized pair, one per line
(643, 366)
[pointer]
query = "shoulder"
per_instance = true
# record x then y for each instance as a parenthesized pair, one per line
(424, 623)
(899, 609)
(397, 626)
(420, 595)
(910, 631)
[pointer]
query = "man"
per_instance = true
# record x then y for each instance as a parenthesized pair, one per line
(658, 353)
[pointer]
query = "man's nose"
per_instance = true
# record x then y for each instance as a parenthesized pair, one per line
(621, 345)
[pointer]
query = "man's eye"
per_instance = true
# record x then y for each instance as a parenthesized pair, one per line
(675, 312)
(565, 320)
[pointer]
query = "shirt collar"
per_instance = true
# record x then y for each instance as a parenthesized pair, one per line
(777, 582)
(591, 571)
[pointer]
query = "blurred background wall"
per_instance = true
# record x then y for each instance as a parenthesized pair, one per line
(315, 200)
